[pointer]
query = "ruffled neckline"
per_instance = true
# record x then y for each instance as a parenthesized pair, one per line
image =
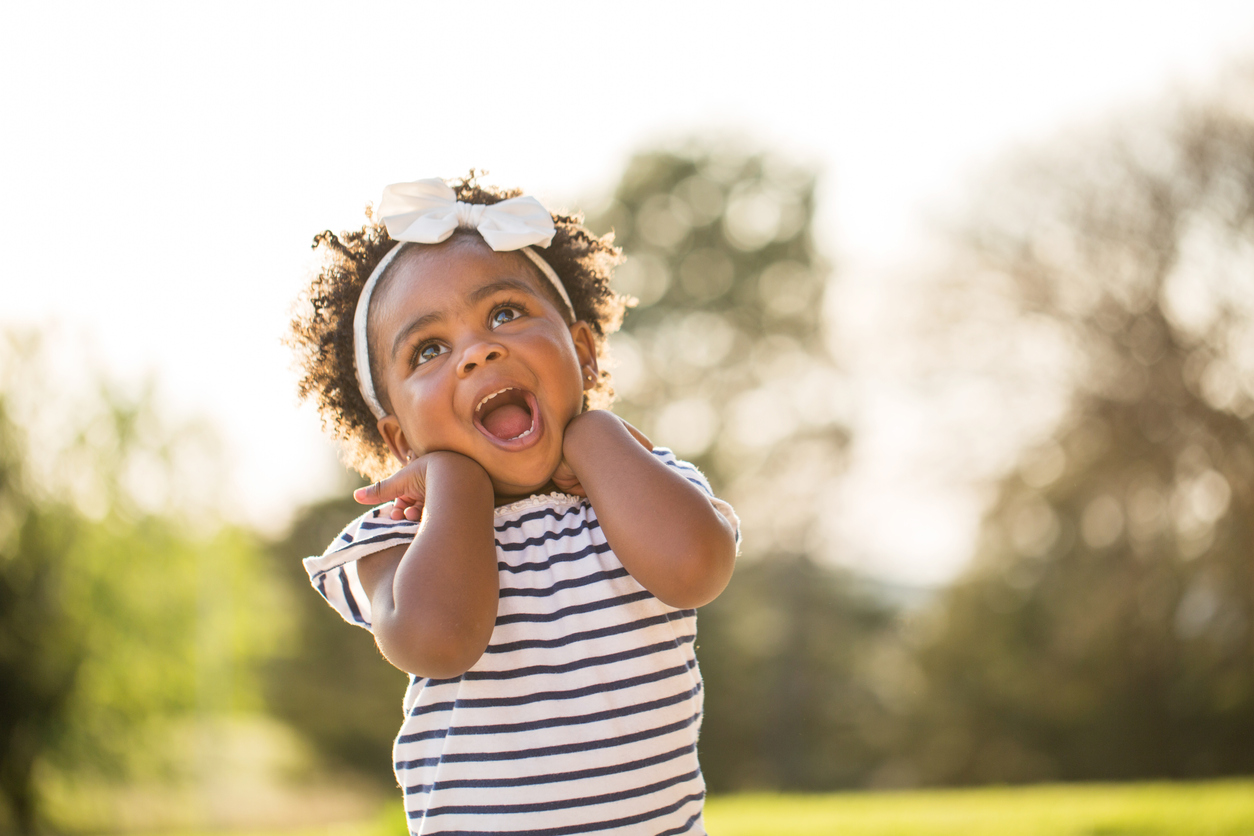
(555, 498)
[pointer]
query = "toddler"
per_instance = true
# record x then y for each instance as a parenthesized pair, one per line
(536, 563)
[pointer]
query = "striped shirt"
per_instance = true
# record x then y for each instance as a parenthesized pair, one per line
(583, 712)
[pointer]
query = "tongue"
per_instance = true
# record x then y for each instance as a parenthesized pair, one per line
(507, 421)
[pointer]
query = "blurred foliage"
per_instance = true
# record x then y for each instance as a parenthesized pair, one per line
(40, 649)
(330, 682)
(792, 655)
(118, 617)
(723, 359)
(1106, 630)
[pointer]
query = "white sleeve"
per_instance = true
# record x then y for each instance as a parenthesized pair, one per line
(334, 572)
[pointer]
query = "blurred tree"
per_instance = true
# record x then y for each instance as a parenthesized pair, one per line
(40, 651)
(1106, 630)
(724, 360)
(120, 614)
(330, 682)
(788, 654)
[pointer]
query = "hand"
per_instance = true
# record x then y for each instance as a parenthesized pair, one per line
(564, 478)
(407, 487)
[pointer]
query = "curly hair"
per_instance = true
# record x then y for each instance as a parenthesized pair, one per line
(322, 328)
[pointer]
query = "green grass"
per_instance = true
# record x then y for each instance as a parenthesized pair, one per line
(1224, 808)
(1217, 808)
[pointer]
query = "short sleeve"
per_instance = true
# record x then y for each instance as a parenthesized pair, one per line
(334, 572)
(696, 477)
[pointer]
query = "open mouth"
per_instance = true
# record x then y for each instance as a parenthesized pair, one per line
(507, 414)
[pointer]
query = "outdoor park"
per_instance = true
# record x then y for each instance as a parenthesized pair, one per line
(1077, 337)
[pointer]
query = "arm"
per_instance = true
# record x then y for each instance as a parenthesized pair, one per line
(661, 526)
(434, 601)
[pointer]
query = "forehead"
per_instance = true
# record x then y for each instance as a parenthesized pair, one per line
(440, 275)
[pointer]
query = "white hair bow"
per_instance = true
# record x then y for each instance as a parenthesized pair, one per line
(427, 212)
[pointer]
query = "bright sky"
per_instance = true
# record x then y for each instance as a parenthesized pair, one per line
(165, 166)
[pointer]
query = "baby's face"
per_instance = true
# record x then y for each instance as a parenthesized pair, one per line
(477, 360)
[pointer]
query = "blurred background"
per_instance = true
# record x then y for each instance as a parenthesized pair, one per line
(954, 303)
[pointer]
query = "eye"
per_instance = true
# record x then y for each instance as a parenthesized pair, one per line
(505, 313)
(428, 351)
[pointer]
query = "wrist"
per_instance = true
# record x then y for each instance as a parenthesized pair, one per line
(588, 429)
(457, 470)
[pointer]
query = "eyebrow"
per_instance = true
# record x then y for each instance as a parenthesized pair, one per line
(475, 296)
(424, 321)
(502, 284)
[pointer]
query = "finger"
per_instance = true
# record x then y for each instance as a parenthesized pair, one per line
(393, 487)
(369, 495)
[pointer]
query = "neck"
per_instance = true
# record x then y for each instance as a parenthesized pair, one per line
(508, 499)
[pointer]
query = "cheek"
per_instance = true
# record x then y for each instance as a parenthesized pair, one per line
(565, 366)
(425, 417)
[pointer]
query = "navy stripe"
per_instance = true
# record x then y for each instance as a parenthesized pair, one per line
(321, 585)
(560, 804)
(577, 719)
(560, 557)
(686, 826)
(535, 515)
(429, 734)
(679, 468)
(553, 722)
(545, 751)
(548, 536)
(346, 537)
(578, 664)
(552, 778)
(573, 638)
(571, 583)
(350, 600)
(388, 535)
(547, 696)
(393, 537)
(572, 830)
(574, 609)
(688, 472)
(389, 524)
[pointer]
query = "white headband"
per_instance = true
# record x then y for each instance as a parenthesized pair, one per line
(428, 212)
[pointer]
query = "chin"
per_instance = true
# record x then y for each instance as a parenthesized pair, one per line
(520, 489)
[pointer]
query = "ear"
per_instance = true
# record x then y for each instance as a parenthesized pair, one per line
(586, 351)
(390, 428)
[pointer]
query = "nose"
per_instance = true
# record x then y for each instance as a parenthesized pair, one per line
(478, 354)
